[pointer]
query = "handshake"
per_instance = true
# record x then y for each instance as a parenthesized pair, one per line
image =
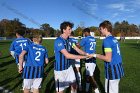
(90, 55)
(82, 52)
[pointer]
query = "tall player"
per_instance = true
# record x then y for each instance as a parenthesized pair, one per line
(63, 71)
(112, 58)
(32, 73)
(18, 44)
(89, 45)
(76, 62)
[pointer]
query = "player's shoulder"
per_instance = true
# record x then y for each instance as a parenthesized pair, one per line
(58, 39)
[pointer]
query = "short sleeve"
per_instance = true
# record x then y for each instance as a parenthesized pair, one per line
(59, 45)
(107, 45)
(82, 43)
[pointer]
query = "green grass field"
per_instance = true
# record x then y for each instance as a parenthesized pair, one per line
(11, 80)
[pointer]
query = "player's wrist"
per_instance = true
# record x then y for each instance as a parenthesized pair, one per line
(95, 55)
(86, 54)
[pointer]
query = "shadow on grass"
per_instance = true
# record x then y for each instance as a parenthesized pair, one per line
(2, 70)
(50, 86)
(3, 64)
(97, 79)
(4, 43)
(6, 81)
(5, 57)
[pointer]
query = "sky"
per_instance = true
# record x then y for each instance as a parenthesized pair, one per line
(85, 13)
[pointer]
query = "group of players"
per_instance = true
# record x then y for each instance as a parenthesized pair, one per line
(30, 57)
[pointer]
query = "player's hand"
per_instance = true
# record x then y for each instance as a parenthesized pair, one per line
(91, 55)
(20, 69)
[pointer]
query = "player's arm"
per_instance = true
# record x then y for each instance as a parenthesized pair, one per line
(107, 57)
(46, 60)
(78, 50)
(72, 56)
(21, 59)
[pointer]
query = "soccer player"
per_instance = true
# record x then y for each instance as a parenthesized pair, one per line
(76, 62)
(18, 44)
(34, 66)
(112, 58)
(63, 71)
(89, 45)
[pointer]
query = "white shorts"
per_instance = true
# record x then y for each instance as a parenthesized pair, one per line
(77, 62)
(64, 78)
(90, 67)
(32, 83)
(113, 86)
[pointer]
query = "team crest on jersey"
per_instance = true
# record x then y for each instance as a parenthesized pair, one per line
(59, 44)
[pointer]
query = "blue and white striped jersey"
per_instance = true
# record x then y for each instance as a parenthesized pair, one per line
(34, 66)
(113, 69)
(17, 46)
(61, 63)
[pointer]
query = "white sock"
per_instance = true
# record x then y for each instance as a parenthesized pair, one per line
(87, 86)
(96, 90)
(73, 91)
(78, 75)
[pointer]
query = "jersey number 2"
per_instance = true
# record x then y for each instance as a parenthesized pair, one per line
(92, 45)
(38, 53)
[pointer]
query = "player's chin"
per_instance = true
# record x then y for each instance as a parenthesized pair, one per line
(69, 34)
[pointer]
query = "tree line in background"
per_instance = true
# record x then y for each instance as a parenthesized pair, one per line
(8, 27)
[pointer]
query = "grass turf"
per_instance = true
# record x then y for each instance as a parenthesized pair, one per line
(11, 80)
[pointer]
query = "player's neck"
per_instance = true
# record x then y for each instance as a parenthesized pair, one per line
(108, 34)
(19, 36)
(37, 43)
(64, 36)
(88, 35)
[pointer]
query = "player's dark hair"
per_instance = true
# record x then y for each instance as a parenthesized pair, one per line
(21, 32)
(106, 24)
(65, 24)
(86, 30)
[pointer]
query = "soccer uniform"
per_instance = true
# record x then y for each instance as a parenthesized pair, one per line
(63, 71)
(74, 62)
(89, 45)
(17, 46)
(34, 66)
(114, 69)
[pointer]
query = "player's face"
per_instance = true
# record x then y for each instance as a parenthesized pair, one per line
(102, 30)
(68, 31)
(84, 34)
